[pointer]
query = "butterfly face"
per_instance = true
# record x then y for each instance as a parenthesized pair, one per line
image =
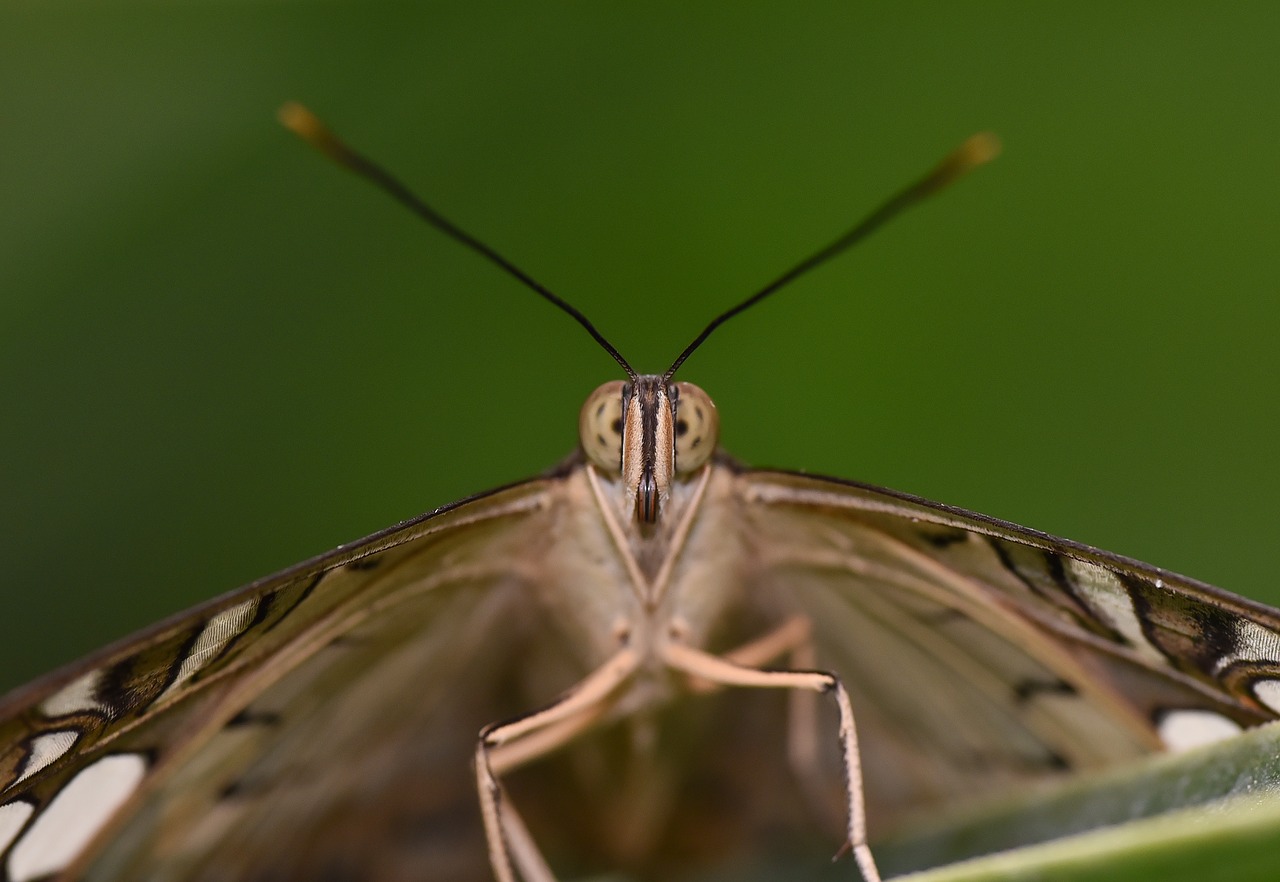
(880, 656)
(648, 431)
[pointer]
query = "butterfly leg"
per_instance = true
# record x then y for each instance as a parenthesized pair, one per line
(510, 845)
(792, 638)
(719, 670)
(788, 638)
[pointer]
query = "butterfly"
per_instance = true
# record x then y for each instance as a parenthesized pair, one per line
(651, 656)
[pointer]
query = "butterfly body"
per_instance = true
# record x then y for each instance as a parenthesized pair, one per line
(650, 657)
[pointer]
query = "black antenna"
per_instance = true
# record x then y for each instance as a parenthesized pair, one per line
(977, 150)
(308, 126)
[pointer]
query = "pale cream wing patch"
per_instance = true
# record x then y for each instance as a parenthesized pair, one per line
(315, 718)
(980, 654)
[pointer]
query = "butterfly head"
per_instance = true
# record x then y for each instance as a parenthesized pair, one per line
(647, 431)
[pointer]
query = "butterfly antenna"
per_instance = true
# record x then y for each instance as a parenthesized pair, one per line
(308, 126)
(977, 150)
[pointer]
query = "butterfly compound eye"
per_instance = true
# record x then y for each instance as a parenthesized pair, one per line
(600, 426)
(697, 428)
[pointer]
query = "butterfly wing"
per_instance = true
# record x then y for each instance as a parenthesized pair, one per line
(319, 723)
(981, 654)
(326, 712)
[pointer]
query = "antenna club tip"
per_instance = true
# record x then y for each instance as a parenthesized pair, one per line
(299, 120)
(307, 126)
(979, 149)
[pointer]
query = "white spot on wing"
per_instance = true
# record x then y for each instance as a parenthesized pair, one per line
(1110, 601)
(1258, 642)
(218, 632)
(76, 697)
(1184, 729)
(1268, 692)
(1254, 642)
(46, 749)
(75, 816)
(12, 817)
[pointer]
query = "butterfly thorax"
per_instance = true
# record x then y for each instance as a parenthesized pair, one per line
(644, 546)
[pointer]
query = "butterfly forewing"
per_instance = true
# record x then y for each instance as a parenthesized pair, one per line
(277, 714)
(980, 653)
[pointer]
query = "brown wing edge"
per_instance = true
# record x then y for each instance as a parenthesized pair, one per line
(33, 692)
(1002, 529)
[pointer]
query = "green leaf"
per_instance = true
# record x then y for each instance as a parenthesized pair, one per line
(1210, 813)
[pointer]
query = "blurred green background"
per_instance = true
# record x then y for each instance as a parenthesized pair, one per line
(219, 354)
